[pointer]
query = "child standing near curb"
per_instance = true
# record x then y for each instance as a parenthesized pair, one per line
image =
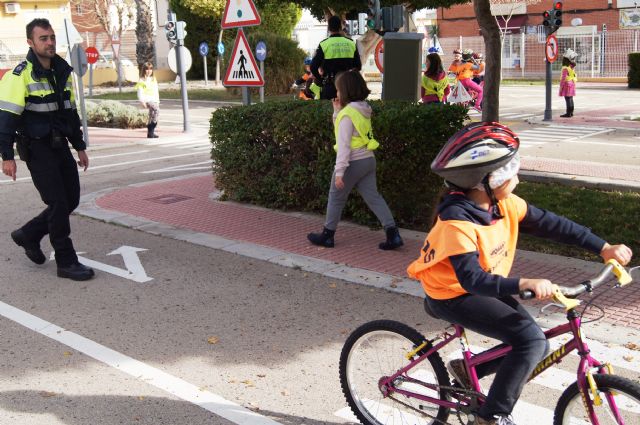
(435, 84)
(355, 161)
(149, 97)
(568, 81)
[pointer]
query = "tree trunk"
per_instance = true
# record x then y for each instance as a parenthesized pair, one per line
(491, 35)
(145, 51)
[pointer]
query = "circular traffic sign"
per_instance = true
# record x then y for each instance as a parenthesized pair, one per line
(203, 48)
(221, 48)
(551, 48)
(261, 51)
(379, 55)
(92, 54)
(79, 60)
(186, 59)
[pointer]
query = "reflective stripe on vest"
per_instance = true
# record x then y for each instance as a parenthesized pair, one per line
(362, 125)
(46, 107)
(338, 48)
(434, 87)
(571, 74)
(315, 89)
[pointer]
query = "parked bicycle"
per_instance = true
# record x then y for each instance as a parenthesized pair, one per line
(390, 373)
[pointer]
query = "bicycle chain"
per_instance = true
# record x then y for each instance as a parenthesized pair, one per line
(470, 393)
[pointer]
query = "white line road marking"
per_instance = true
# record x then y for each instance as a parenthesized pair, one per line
(117, 154)
(184, 167)
(138, 370)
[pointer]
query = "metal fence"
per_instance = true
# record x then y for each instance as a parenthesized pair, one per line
(601, 54)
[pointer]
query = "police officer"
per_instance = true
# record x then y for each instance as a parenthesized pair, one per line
(38, 112)
(335, 54)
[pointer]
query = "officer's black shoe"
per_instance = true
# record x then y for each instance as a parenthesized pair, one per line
(151, 131)
(76, 271)
(31, 249)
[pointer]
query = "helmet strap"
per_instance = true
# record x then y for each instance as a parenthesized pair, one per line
(495, 208)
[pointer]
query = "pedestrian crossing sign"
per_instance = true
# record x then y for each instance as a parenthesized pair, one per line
(240, 13)
(242, 69)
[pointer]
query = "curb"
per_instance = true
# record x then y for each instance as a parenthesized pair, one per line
(580, 181)
(601, 331)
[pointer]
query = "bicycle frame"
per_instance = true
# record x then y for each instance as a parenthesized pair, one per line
(472, 361)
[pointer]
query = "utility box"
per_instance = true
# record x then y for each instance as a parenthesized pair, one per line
(402, 78)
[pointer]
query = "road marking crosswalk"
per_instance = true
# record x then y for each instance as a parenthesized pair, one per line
(565, 134)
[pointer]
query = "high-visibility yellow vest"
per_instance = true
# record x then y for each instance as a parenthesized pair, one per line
(338, 48)
(571, 74)
(315, 89)
(362, 125)
(432, 86)
(149, 88)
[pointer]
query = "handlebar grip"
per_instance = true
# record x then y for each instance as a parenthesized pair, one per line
(527, 294)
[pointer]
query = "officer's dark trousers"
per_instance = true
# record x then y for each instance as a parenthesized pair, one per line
(328, 91)
(55, 174)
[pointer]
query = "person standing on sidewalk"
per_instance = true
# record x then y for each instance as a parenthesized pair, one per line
(149, 97)
(355, 161)
(38, 111)
(568, 81)
(467, 257)
(335, 54)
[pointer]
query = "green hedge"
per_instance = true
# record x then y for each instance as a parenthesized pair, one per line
(114, 114)
(280, 155)
(634, 70)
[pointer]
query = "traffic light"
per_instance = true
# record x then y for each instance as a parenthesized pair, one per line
(362, 23)
(387, 19)
(556, 14)
(374, 15)
(170, 31)
(552, 19)
(348, 27)
(180, 30)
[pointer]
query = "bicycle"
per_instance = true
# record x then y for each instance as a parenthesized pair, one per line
(390, 373)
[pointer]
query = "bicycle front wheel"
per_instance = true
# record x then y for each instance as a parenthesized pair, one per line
(620, 403)
(376, 350)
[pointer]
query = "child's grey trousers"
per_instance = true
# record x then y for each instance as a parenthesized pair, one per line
(360, 174)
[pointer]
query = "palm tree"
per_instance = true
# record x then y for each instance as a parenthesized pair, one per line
(145, 29)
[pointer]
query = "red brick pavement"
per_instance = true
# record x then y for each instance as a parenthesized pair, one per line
(186, 204)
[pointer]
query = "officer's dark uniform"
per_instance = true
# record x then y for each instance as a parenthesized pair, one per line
(335, 54)
(39, 104)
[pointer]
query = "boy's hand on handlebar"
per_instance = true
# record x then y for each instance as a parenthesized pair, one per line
(620, 253)
(543, 288)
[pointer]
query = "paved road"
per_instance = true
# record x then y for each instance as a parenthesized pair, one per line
(175, 333)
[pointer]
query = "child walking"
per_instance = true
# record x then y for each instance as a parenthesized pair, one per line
(355, 161)
(568, 81)
(465, 263)
(435, 84)
(149, 97)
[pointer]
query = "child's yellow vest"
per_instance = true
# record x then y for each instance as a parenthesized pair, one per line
(362, 126)
(434, 87)
(571, 74)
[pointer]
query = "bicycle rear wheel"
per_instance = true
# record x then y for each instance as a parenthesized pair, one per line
(376, 350)
(620, 403)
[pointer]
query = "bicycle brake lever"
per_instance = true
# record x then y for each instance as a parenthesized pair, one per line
(551, 305)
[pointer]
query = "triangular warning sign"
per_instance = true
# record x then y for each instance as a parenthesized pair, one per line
(242, 70)
(240, 13)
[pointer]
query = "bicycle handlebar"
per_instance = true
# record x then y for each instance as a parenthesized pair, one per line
(562, 292)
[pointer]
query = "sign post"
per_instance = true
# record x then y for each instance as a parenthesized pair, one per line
(551, 53)
(80, 65)
(242, 70)
(115, 46)
(204, 51)
(220, 53)
(92, 58)
(261, 55)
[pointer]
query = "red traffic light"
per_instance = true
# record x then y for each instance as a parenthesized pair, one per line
(557, 5)
(546, 14)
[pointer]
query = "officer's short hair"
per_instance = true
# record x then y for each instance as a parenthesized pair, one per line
(335, 23)
(38, 22)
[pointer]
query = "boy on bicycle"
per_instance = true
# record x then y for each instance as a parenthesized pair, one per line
(468, 254)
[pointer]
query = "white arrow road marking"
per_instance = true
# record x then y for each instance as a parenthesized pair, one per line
(134, 269)
(175, 386)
